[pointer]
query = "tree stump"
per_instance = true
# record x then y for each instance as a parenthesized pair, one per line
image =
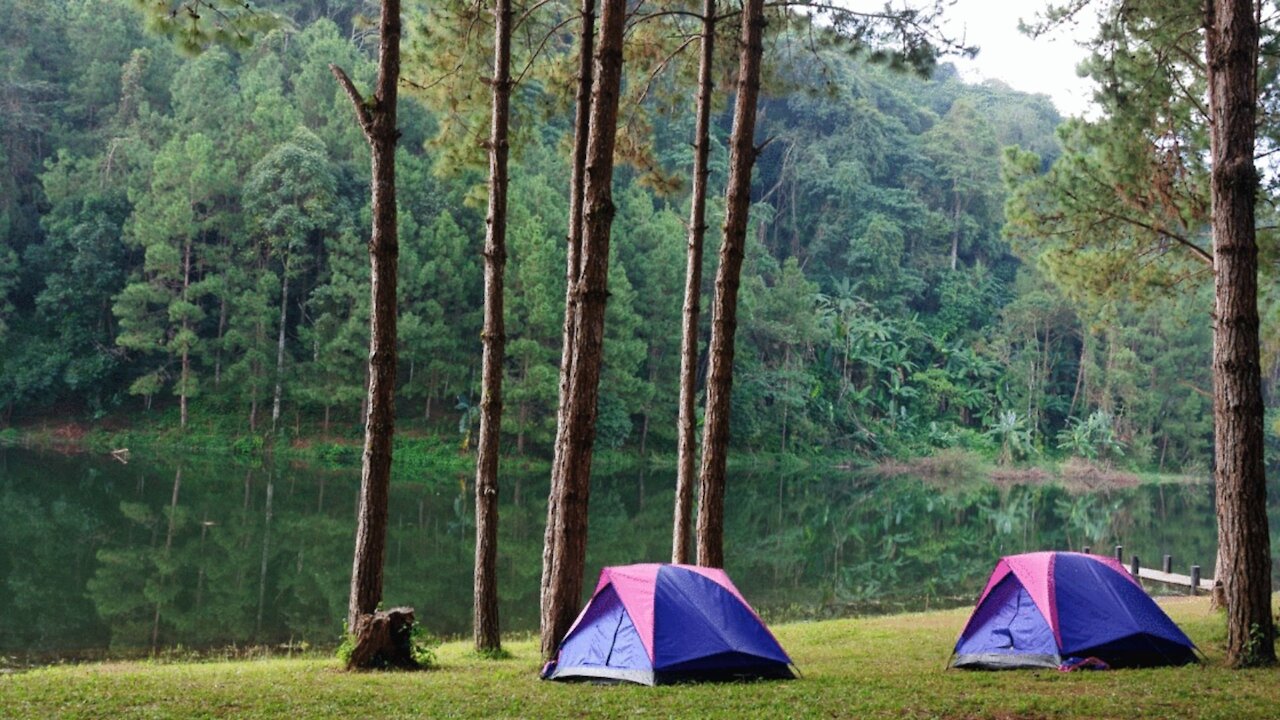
(1218, 600)
(384, 640)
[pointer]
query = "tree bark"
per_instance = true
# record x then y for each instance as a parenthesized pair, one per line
(724, 317)
(377, 118)
(486, 627)
(577, 183)
(384, 639)
(686, 426)
(572, 462)
(1231, 48)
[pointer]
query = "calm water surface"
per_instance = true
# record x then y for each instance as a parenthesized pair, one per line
(99, 559)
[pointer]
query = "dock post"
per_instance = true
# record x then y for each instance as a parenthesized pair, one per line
(1134, 566)
(1195, 579)
(1168, 564)
(1120, 554)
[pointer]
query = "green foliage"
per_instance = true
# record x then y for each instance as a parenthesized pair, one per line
(334, 454)
(346, 646)
(1093, 437)
(423, 645)
(1010, 430)
(156, 208)
(196, 25)
(248, 445)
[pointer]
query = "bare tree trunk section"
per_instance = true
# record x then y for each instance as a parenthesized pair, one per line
(686, 425)
(377, 118)
(1231, 47)
(186, 334)
(486, 627)
(572, 464)
(577, 183)
(284, 316)
(724, 310)
(1084, 356)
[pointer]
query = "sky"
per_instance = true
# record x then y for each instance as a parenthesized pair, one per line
(1044, 65)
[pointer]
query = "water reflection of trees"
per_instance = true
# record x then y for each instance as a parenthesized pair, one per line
(97, 555)
(830, 546)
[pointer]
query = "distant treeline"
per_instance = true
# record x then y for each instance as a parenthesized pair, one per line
(196, 227)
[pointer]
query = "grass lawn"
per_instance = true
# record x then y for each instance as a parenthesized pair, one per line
(872, 667)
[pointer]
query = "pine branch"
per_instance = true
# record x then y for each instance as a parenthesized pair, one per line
(363, 114)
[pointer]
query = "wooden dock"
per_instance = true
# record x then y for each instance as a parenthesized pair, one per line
(1173, 579)
(1192, 582)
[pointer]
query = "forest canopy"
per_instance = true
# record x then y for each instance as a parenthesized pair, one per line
(156, 207)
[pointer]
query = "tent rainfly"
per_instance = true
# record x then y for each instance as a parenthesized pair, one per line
(657, 623)
(1063, 610)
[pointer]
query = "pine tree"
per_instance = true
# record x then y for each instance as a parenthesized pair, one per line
(715, 437)
(580, 377)
(377, 118)
(291, 200)
(486, 627)
(159, 310)
(1244, 540)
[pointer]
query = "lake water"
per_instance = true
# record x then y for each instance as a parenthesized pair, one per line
(100, 558)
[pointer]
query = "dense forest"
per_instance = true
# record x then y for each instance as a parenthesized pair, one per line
(193, 229)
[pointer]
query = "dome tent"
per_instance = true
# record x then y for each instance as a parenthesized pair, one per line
(657, 623)
(1056, 609)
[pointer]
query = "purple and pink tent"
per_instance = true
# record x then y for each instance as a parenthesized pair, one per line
(657, 623)
(1058, 609)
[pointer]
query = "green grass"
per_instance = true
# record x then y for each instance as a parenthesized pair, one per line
(876, 667)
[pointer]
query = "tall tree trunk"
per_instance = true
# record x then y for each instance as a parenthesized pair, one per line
(222, 331)
(377, 118)
(279, 390)
(577, 183)
(186, 334)
(1244, 546)
(686, 425)
(574, 445)
(486, 627)
(724, 310)
(1084, 356)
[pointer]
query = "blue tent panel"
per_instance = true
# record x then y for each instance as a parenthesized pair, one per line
(699, 624)
(605, 645)
(1103, 614)
(1007, 631)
